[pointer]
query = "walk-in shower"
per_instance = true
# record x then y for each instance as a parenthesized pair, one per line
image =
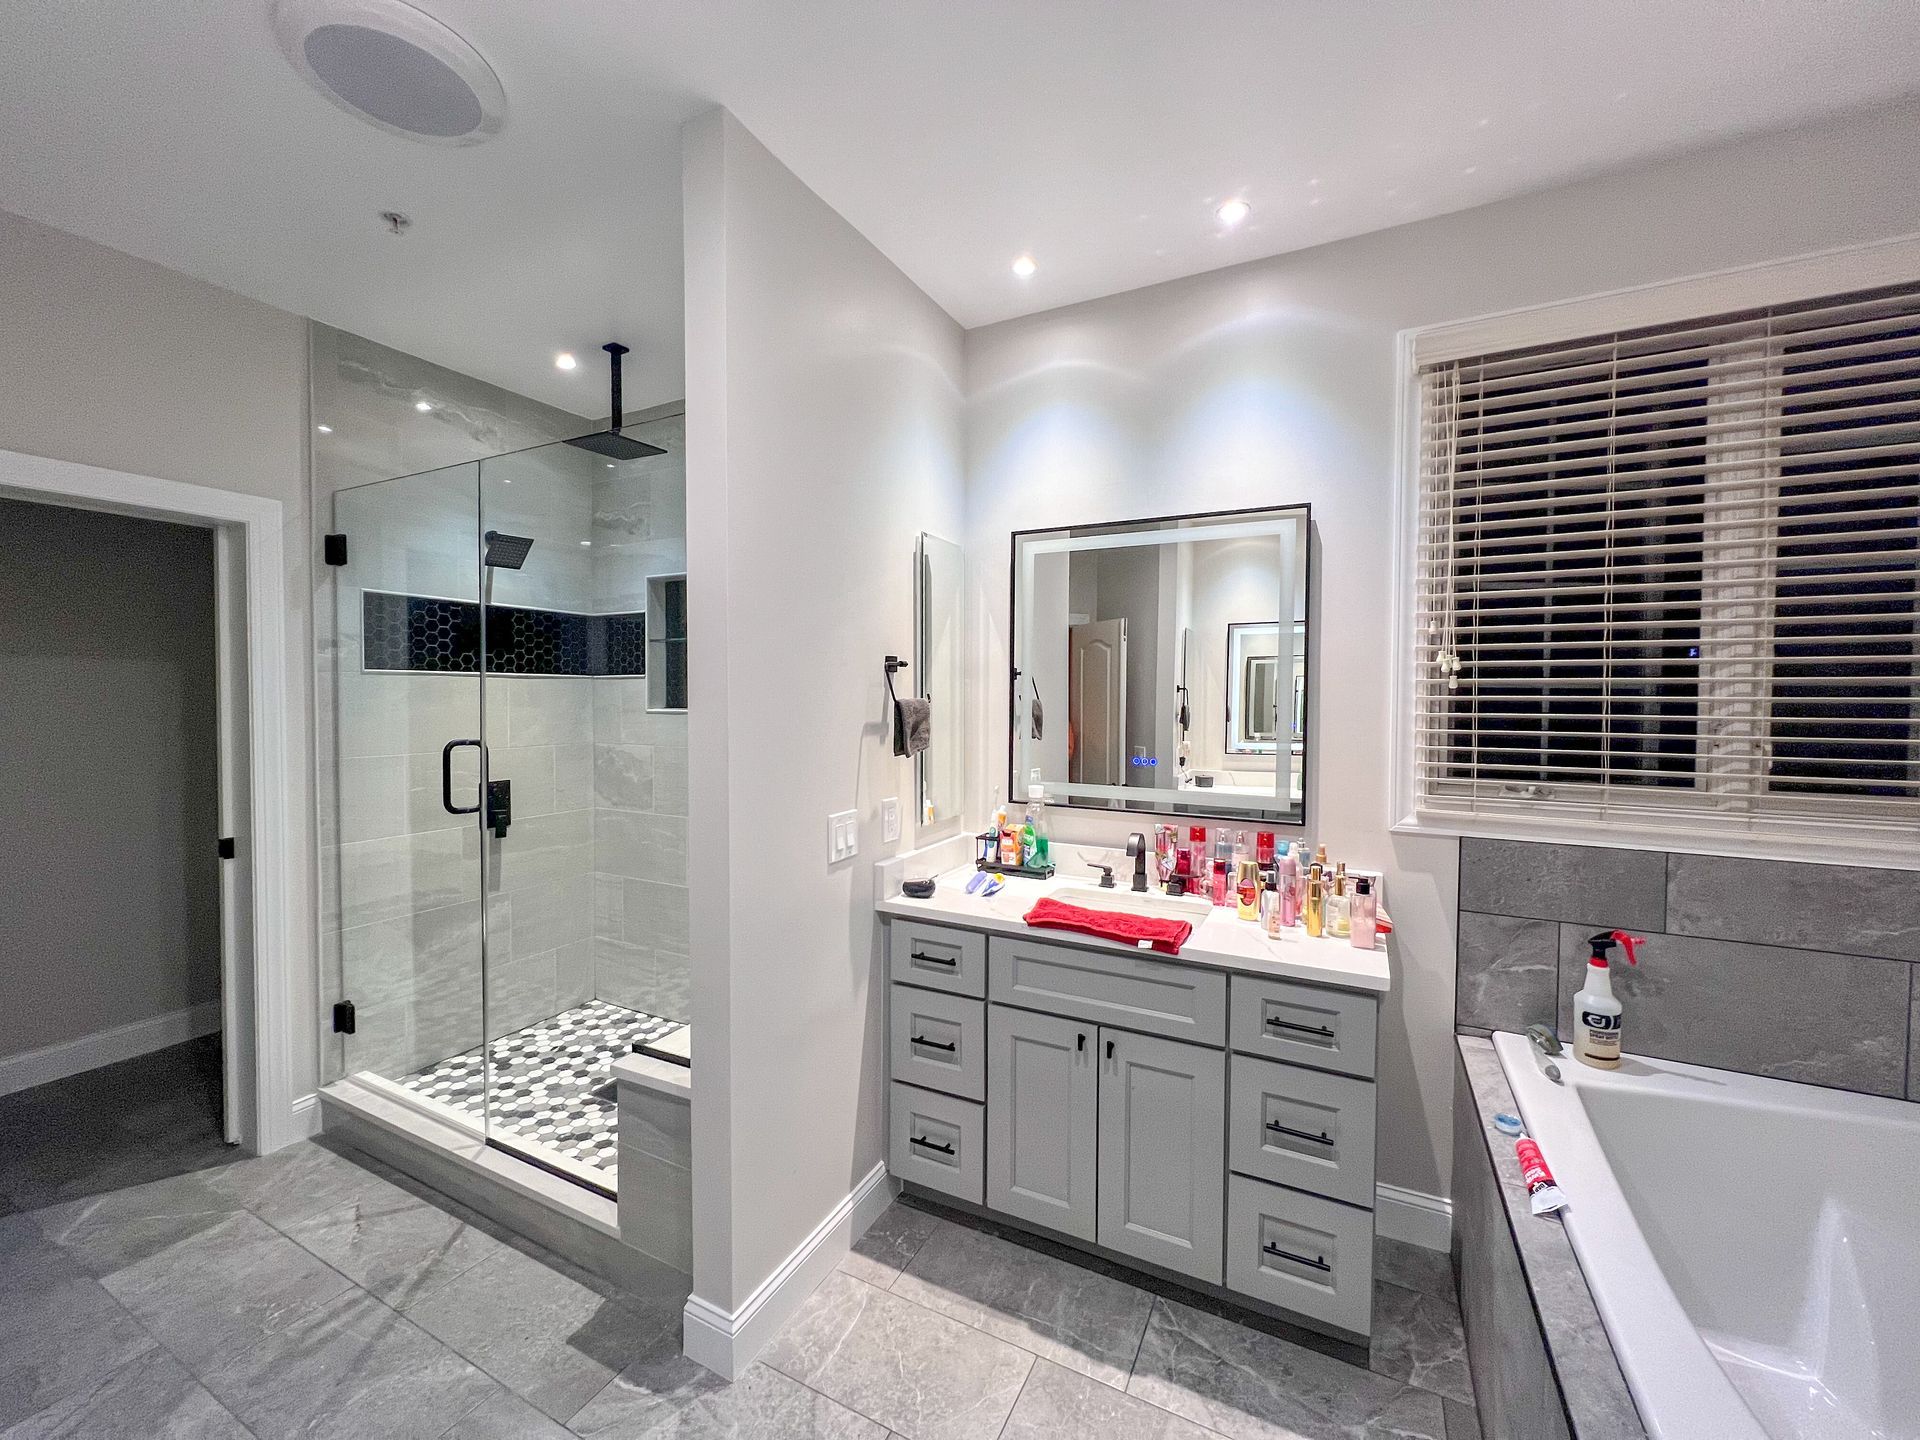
(507, 906)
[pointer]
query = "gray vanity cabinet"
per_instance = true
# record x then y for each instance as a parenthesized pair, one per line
(1215, 1127)
(1162, 1151)
(1043, 1085)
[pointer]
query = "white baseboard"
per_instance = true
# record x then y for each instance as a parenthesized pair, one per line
(306, 1117)
(1416, 1218)
(106, 1047)
(727, 1342)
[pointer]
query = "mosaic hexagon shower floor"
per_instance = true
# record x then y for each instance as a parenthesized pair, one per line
(545, 1078)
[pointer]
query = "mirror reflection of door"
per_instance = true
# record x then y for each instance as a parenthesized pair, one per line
(1097, 707)
(1261, 687)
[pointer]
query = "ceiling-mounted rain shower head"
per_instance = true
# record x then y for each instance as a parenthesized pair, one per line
(506, 552)
(611, 443)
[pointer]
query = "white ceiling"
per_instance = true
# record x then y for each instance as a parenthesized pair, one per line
(1096, 134)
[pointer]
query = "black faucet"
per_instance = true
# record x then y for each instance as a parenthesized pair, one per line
(1137, 847)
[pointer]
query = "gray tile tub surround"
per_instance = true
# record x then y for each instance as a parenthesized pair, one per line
(1841, 909)
(1597, 1401)
(1806, 1015)
(1590, 885)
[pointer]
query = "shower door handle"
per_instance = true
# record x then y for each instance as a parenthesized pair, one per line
(446, 778)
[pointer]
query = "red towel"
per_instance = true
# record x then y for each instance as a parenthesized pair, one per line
(1166, 936)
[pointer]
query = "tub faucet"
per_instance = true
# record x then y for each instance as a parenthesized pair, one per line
(1545, 1044)
(1137, 847)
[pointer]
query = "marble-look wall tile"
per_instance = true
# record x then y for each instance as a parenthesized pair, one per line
(640, 847)
(1509, 972)
(543, 710)
(546, 917)
(542, 850)
(573, 777)
(1849, 909)
(529, 770)
(520, 992)
(401, 958)
(373, 798)
(672, 992)
(573, 974)
(405, 874)
(1584, 884)
(623, 776)
(655, 915)
(623, 973)
(656, 1211)
(427, 796)
(1837, 1020)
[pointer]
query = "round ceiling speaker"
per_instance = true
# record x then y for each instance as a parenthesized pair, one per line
(393, 66)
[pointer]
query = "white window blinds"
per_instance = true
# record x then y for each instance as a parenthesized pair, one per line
(1673, 574)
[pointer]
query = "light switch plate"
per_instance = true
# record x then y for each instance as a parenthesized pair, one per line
(890, 819)
(842, 837)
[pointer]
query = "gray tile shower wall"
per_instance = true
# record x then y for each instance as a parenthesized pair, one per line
(1801, 971)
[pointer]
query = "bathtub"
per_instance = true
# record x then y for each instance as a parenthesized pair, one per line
(1752, 1245)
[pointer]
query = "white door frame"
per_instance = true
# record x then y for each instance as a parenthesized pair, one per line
(250, 563)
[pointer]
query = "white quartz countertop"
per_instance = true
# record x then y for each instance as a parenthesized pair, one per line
(1222, 940)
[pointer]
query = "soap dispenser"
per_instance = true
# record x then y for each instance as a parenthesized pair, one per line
(1596, 1010)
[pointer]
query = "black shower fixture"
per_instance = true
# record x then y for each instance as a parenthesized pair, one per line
(506, 552)
(611, 443)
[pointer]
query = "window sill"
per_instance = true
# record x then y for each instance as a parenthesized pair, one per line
(1818, 841)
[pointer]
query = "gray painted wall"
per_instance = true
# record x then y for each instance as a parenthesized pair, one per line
(110, 912)
(113, 361)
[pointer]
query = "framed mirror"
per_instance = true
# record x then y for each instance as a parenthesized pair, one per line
(937, 660)
(1161, 665)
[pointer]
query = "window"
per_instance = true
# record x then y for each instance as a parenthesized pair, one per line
(1670, 576)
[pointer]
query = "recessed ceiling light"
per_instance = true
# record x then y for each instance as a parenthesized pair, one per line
(423, 406)
(586, 542)
(1024, 267)
(324, 429)
(1233, 212)
(564, 361)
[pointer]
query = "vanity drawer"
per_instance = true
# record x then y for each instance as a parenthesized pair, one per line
(1303, 1128)
(937, 1141)
(938, 957)
(1300, 1252)
(1284, 1020)
(1128, 991)
(939, 1040)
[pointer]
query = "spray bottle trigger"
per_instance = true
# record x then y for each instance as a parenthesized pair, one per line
(1631, 943)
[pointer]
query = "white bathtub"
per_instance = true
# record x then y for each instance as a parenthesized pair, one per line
(1752, 1245)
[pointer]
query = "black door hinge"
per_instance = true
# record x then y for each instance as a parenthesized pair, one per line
(226, 847)
(343, 1017)
(333, 549)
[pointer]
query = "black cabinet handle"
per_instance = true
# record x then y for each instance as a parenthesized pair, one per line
(1278, 1024)
(947, 960)
(933, 1044)
(446, 778)
(1079, 1042)
(1321, 1139)
(1109, 1049)
(1275, 1250)
(929, 1145)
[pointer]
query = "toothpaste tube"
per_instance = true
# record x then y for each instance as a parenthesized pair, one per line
(1542, 1194)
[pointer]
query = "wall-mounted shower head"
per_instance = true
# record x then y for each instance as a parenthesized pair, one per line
(506, 552)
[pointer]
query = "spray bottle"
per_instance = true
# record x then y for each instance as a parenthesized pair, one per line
(1596, 1012)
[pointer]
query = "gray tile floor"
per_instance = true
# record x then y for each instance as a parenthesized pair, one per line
(156, 1286)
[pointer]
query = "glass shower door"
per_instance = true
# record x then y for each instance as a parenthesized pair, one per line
(407, 860)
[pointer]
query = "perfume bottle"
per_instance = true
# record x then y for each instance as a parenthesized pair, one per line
(1365, 929)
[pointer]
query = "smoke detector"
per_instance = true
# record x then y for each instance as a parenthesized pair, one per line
(393, 66)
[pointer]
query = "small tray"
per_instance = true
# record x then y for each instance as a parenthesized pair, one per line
(994, 867)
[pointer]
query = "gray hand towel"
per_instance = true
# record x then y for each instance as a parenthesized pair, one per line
(912, 725)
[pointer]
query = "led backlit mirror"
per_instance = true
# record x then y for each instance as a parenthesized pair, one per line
(1161, 665)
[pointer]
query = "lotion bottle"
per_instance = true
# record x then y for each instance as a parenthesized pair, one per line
(1596, 1009)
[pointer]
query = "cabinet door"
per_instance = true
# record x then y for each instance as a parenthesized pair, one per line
(1163, 1152)
(1042, 1119)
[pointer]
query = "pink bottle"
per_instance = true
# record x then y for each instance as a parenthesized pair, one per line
(1364, 917)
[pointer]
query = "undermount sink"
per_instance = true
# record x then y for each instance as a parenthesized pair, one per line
(1122, 901)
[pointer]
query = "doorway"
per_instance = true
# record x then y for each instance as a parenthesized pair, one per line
(229, 804)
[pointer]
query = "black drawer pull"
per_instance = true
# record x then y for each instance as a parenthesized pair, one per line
(949, 961)
(1321, 1139)
(930, 1145)
(1321, 1030)
(1275, 1250)
(933, 1044)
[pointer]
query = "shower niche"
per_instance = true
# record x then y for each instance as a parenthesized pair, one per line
(506, 906)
